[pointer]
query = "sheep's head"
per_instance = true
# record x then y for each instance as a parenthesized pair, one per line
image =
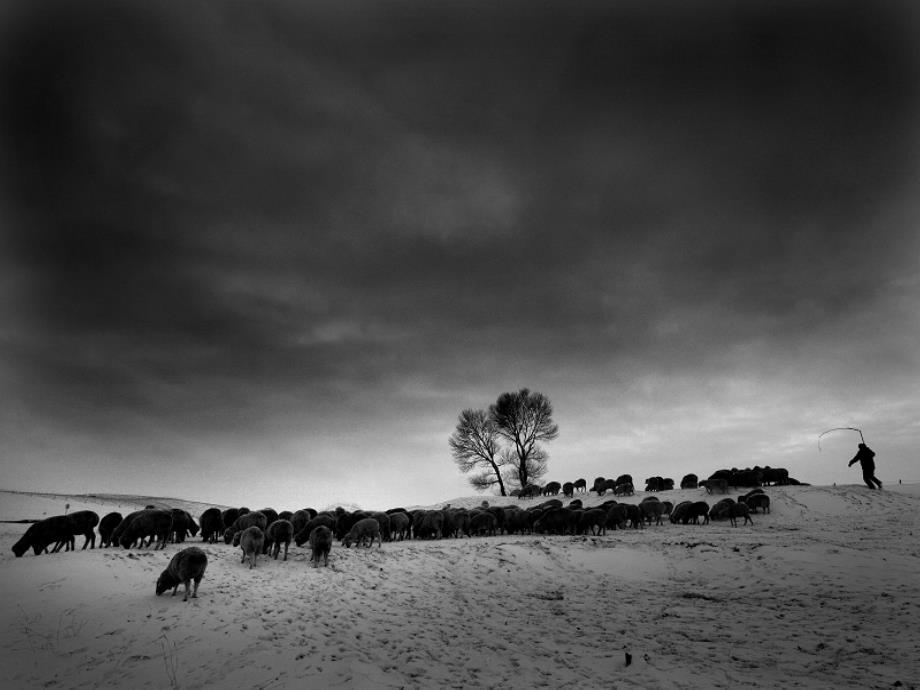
(164, 582)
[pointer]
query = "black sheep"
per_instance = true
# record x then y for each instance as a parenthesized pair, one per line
(212, 525)
(154, 523)
(320, 545)
(107, 526)
(187, 565)
(280, 532)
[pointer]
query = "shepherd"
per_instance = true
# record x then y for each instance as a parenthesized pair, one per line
(866, 458)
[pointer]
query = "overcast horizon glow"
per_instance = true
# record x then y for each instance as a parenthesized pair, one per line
(265, 254)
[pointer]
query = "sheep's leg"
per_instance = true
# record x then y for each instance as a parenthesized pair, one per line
(195, 590)
(187, 583)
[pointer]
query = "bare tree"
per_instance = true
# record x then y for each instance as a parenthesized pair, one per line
(525, 420)
(475, 444)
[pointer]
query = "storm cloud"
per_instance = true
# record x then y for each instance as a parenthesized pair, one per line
(308, 236)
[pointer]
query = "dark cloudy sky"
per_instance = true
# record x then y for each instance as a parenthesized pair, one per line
(265, 253)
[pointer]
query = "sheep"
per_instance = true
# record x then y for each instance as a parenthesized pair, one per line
(83, 522)
(399, 525)
(679, 514)
(180, 525)
(456, 522)
(617, 516)
(280, 531)
(517, 520)
(248, 519)
(107, 526)
(211, 525)
(301, 537)
(697, 510)
(428, 524)
(41, 534)
(599, 485)
(552, 489)
(595, 520)
(187, 565)
(624, 489)
(482, 523)
(737, 510)
(299, 519)
(690, 481)
(635, 516)
(568, 489)
(364, 531)
(722, 509)
(716, 483)
(320, 545)
(651, 508)
(756, 501)
(556, 521)
(229, 516)
(580, 485)
(152, 522)
(251, 541)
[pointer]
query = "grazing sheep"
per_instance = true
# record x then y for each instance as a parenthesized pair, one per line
(153, 522)
(776, 475)
(280, 532)
(323, 520)
(187, 565)
(722, 509)
(756, 501)
(737, 510)
(248, 519)
(107, 526)
(568, 489)
(617, 516)
(299, 519)
(653, 483)
(595, 520)
(364, 531)
(680, 512)
(599, 485)
(83, 522)
(624, 489)
(399, 525)
(456, 522)
(482, 523)
(697, 510)
(229, 516)
(286, 515)
(41, 534)
(428, 524)
(320, 545)
(652, 509)
(211, 525)
(635, 516)
(556, 521)
(580, 485)
(180, 525)
(714, 484)
(552, 489)
(690, 481)
(251, 541)
(517, 521)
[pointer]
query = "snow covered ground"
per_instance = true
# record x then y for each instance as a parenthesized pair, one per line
(822, 592)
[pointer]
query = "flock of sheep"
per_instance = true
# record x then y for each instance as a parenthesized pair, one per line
(265, 531)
